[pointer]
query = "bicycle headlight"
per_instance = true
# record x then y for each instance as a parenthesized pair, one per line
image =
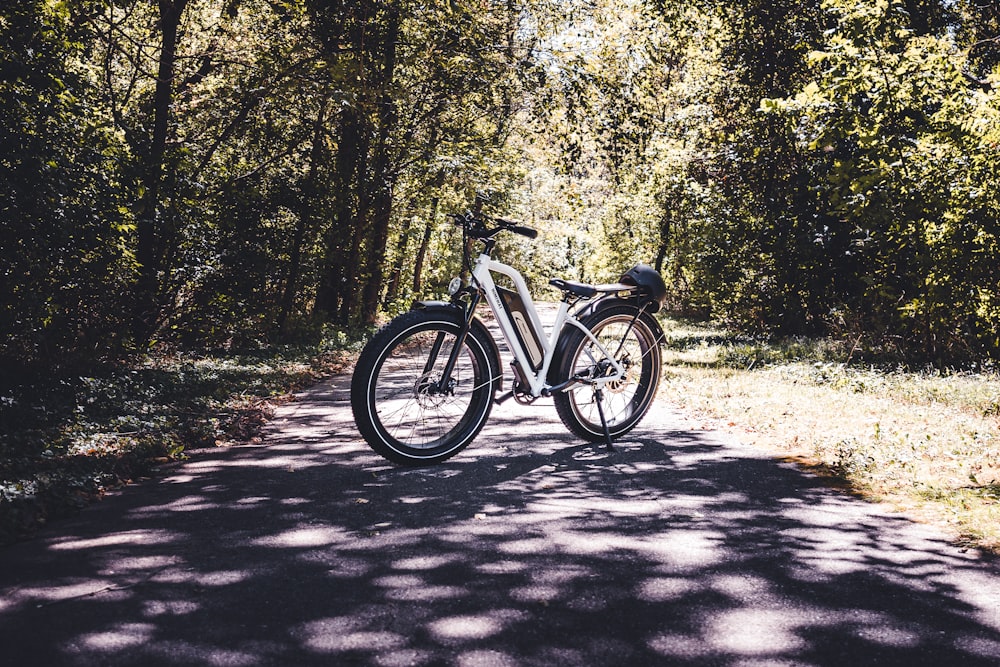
(454, 286)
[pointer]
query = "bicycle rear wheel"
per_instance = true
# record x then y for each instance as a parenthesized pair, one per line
(633, 343)
(400, 405)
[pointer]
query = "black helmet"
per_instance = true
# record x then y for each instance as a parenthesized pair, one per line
(652, 289)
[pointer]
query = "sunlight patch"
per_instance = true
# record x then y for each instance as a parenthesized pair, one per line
(527, 546)
(154, 608)
(502, 567)
(340, 567)
(673, 644)
(829, 551)
(214, 578)
(536, 593)
(412, 500)
(422, 562)
(314, 536)
(466, 627)
(222, 577)
(985, 647)
(665, 589)
(140, 563)
(252, 500)
(187, 504)
(755, 632)
(684, 548)
(565, 573)
(399, 581)
(742, 587)
(403, 658)
(591, 542)
(889, 635)
(425, 593)
(179, 479)
(64, 592)
(337, 635)
(118, 638)
(479, 626)
(485, 659)
(141, 537)
(354, 641)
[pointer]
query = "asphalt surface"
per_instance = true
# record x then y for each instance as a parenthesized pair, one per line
(529, 548)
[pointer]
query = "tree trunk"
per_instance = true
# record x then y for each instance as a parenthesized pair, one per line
(356, 242)
(402, 246)
(418, 265)
(150, 236)
(665, 232)
(307, 217)
(343, 231)
(382, 175)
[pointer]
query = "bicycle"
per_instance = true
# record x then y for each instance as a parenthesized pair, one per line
(425, 383)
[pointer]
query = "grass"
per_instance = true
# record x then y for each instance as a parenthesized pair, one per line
(926, 443)
(65, 441)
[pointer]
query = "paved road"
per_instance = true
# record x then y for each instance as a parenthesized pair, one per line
(682, 548)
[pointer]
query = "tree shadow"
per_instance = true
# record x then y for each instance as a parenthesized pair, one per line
(678, 548)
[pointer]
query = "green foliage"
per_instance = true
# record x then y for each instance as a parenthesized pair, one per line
(790, 167)
(63, 217)
(816, 167)
(900, 140)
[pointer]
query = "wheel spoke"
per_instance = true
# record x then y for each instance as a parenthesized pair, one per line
(403, 406)
(626, 399)
(417, 416)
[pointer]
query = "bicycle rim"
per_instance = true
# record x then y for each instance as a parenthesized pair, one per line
(624, 401)
(412, 413)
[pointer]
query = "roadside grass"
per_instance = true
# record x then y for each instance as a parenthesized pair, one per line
(65, 441)
(926, 442)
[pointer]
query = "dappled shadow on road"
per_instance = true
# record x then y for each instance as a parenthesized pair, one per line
(524, 550)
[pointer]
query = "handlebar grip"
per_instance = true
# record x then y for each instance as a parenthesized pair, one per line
(525, 231)
(512, 226)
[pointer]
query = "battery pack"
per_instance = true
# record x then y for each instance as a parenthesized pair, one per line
(526, 334)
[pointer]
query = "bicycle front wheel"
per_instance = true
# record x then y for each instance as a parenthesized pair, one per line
(404, 407)
(633, 343)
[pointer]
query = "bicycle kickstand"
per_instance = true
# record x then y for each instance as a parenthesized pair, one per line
(599, 397)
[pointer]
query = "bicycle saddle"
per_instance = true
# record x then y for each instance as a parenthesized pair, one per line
(587, 291)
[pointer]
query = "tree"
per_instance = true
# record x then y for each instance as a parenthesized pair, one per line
(229, 158)
(62, 196)
(429, 103)
(206, 173)
(903, 136)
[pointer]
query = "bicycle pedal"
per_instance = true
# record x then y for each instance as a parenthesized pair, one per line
(502, 398)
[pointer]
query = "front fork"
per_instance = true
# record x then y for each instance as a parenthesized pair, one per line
(446, 385)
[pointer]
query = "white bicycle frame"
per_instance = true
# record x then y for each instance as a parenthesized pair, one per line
(482, 277)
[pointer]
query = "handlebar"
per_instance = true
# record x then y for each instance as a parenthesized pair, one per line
(476, 226)
(511, 226)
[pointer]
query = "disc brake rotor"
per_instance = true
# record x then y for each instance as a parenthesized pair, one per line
(426, 391)
(620, 385)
